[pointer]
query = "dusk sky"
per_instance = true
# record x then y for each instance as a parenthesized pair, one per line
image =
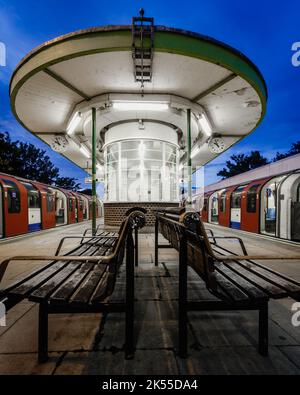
(263, 30)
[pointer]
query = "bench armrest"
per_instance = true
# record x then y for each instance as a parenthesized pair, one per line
(74, 258)
(255, 257)
(234, 238)
(81, 237)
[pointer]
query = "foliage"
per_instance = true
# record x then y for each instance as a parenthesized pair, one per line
(27, 161)
(241, 163)
(295, 149)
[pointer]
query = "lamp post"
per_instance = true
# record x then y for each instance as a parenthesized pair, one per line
(94, 173)
(189, 151)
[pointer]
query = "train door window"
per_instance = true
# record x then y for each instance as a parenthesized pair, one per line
(236, 197)
(33, 199)
(50, 200)
(13, 197)
(235, 211)
(81, 204)
(223, 202)
(270, 209)
(214, 209)
(251, 198)
(71, 204)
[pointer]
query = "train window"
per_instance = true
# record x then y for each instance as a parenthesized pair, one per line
(71, 204)
(50, 202)
(223, 202)
(33, 199)
(13, 197)
(251, 199)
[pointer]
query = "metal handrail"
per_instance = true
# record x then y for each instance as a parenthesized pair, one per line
(74, 258)
(81, 237)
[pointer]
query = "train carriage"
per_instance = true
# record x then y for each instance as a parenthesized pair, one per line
(268, 205)
(14, 207)
(28, 206)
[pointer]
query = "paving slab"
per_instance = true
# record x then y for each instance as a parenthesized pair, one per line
(218, 342)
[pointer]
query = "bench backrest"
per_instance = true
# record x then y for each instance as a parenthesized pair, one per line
(187, 227)
(135, 220)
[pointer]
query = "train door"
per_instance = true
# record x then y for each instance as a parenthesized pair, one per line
(80, 207)
(235, 207)
(214, 208)
(14, 207)
(60, 208)
(289, 207)
(85, 208)
(269, 206)
(1, 213)
(295, 216)
(71, 208)
(34, 207)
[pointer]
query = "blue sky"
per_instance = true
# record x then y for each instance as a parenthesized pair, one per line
(262, 30)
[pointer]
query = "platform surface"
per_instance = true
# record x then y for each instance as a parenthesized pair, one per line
(219, 342)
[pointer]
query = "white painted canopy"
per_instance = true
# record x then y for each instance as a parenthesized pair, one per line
(94, 68)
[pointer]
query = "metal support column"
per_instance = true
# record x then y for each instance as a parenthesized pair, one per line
(94, 172)
(189, 150)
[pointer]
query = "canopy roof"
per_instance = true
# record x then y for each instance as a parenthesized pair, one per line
(94, 68)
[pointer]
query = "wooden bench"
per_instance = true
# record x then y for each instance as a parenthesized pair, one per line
(81, 281)
(236, 281)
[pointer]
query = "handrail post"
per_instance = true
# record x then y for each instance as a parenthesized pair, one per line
(156, 242)
(136, 246)
(129, 326)
(182, 296)
(94, 175)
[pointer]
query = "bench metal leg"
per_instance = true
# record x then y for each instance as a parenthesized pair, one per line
(182, 300)
(43, 333)
(263, 330)
(129, 320)
(136, 247)
(156, 243)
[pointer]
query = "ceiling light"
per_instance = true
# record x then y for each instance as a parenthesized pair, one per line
(205, 124)
(74, 122)
(140, 106)
(85, 151)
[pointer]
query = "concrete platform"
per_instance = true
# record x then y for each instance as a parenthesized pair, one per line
(219, 342)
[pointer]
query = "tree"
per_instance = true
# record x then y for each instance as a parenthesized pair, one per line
(86, 191)
(27, 161)
(295, 149)
(67, 182)
(241, 163)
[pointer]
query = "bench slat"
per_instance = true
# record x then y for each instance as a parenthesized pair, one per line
(45, 290)
(234, 293)
(271, 289)
(67, 289)
(241, 282)
(85, 292)
(287, 285)
(103, 288)
(28, 286)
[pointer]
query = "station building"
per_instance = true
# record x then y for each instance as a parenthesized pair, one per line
(139, 107)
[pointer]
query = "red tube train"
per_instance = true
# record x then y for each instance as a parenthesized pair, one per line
(28, 206)
(268, 205)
